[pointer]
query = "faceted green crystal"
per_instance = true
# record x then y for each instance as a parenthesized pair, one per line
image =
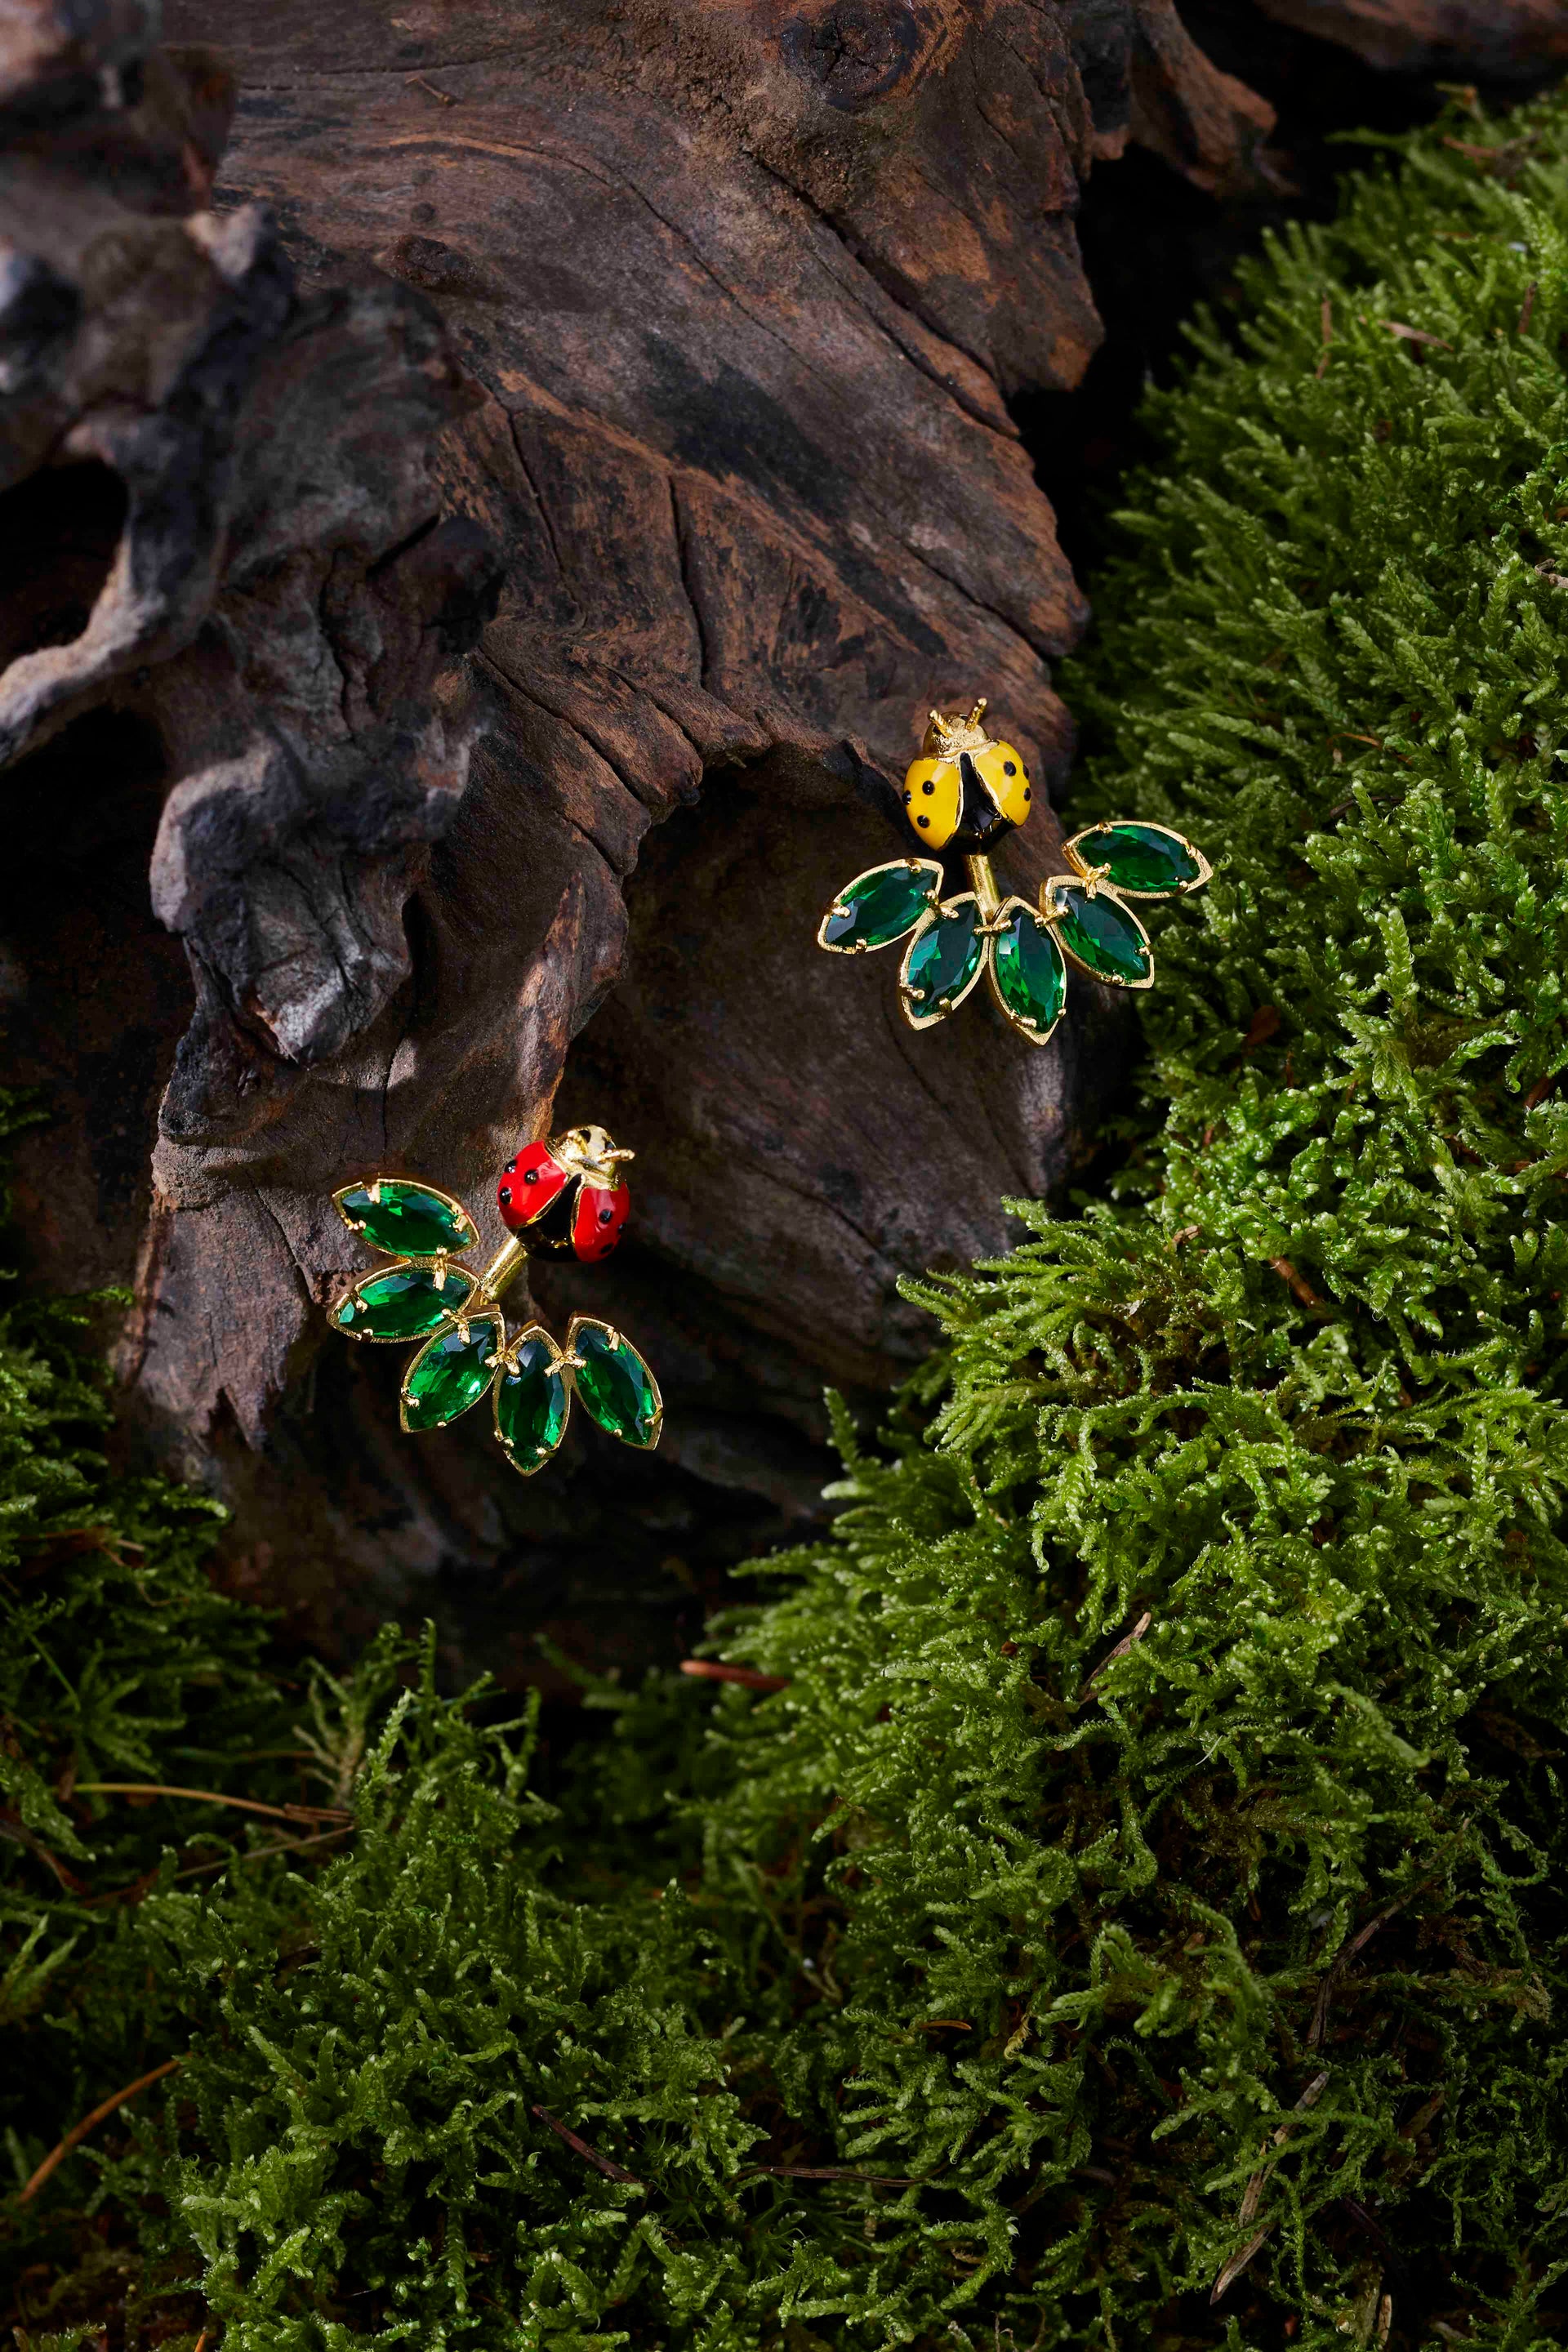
(451, 1373)
(1031, 978)
(401, 1302)
(1103, 935)
(532, 1403)
(1142, 857)
(943, 960)
(880, 906)
(407, 1219)
(616, 1384)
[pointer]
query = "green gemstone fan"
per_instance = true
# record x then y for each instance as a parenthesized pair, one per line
(425, 1294)
(968, 793)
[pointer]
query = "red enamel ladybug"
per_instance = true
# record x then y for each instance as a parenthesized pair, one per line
(568, 1194)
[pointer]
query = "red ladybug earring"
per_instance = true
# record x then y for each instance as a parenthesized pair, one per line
(568, 1194)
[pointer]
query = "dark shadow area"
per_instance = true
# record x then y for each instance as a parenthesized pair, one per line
(59, 531)
(1155, 246)
(94, 992)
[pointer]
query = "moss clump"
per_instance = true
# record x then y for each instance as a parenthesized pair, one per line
(1156, 1857)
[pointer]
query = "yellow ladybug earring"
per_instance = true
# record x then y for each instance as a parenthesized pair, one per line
(966, 792)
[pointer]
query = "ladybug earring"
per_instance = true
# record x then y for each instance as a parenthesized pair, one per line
(568, 1194)
(966, 792)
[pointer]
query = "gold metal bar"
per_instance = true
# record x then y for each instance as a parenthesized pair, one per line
(983, 883)
(508, 1261)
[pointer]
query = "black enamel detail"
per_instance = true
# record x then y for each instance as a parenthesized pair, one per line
(552, 1229)
(981, 823)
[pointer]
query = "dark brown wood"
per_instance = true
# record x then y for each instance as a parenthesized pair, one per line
(702, 318)
(1502, 40)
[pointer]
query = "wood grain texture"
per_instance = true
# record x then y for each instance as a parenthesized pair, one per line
(1504, 40)
(702, 318)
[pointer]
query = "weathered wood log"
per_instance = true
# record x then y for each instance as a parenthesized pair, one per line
(1503, 40)
(736, 294)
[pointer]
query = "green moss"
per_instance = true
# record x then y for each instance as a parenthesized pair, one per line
(1157, 1853)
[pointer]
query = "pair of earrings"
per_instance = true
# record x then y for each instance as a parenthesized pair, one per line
(566, 1194)
(965, 792)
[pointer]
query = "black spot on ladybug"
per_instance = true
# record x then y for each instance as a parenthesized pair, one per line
(1028, 795)
(506, 1196)
(606, 1215)
(925, 820)
(929, 785)
(908, 798)
(510, 1166)
(1009, 767)
(531, 1176)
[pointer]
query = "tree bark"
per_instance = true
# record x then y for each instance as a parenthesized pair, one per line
(686, 332)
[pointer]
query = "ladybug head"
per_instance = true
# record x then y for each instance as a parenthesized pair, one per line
(589, 1152)
(946, 736)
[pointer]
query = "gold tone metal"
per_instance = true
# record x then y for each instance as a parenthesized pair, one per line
(987, 897)
(507, 1262)
(946, 736)
(588, 1152)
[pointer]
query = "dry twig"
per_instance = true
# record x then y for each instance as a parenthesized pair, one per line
(605, 2164)
(214, 1797)
(836, 2172)
(1254, 2191)
(1121, 1648)
(1352, 1951)
(79, 2132)
(1298, 1282)
(709, 1671)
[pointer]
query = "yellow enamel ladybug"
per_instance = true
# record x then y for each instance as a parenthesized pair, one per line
(964, 792)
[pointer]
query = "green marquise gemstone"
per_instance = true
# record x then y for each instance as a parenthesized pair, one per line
(407, 1219)
(1104, 937)
(531, 1404)
(943, 960)
(451, 1373)
(1031, 978)
(879, 906)
(1139, 856)
(402, 1302)
(616, 1385)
